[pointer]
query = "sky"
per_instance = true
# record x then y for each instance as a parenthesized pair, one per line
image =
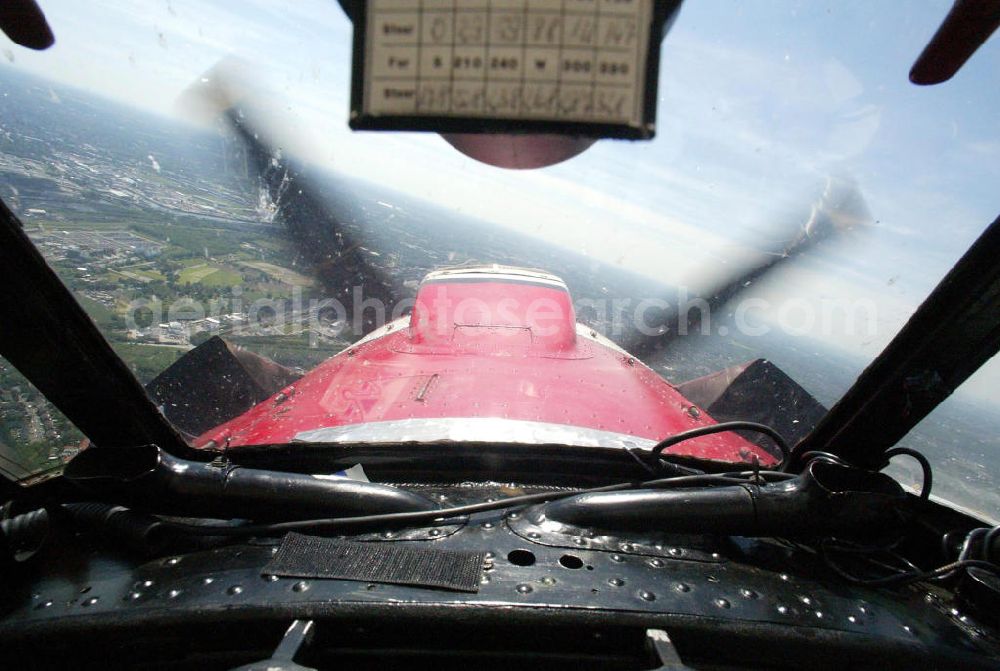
(758, 104)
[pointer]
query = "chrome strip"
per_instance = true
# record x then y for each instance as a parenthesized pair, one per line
(380, 332)
(496, 271)
(587, 332)
(471, 429)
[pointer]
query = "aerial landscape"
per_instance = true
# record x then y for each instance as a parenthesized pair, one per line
(165, 236)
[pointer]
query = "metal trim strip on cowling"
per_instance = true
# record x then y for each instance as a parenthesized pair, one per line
(471, 429)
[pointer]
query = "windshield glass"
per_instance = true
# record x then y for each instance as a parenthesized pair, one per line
(173, 220)
(35, 438)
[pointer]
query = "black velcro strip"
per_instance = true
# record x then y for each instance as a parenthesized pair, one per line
(311, 557)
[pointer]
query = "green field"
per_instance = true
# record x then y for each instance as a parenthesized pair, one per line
(72, 225)
(210, 276)
(147, 361)
(284, 275)
(192, 240)
(291, 351)
(105, 318)
(223, 278)
(140, 274)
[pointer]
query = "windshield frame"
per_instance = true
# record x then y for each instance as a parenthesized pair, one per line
(954, 332)
(50, 339)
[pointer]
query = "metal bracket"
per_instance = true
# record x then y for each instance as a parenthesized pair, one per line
(664, 649)
(298, 637)
(666, 546)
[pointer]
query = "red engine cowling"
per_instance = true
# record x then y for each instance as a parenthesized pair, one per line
(492, 354)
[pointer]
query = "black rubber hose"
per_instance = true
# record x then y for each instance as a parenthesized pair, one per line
(136, 531)
(23, 535)
(150, 479)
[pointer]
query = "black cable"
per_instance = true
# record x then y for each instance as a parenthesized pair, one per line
(646, 467)
(665, 466)
(909, 566)
(905, 578)
(925, 466)
(866, 552)
(767, 476)
(912, 573)
(968, 546)
(413, 517)
(819, 454)
(723, 427)
(946, 543)
(988, 542)
(852, 547)
(424, 516)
